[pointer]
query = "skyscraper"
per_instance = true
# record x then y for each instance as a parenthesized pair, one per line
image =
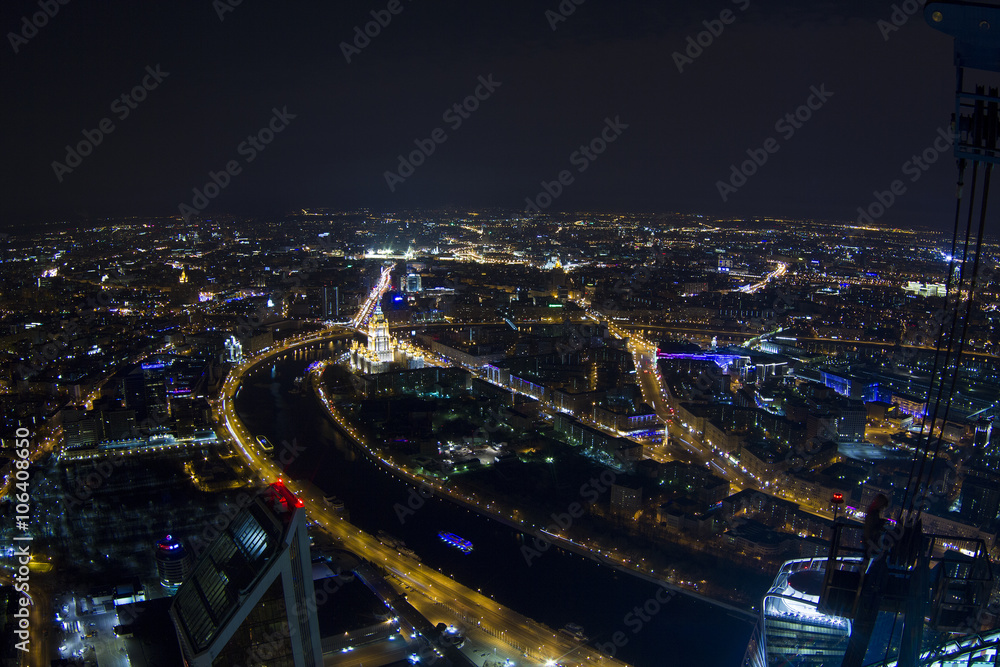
(983, 451)
(791, 630)
(173, 563)
(377, 356)
(250, 596)
(379, 341)
(414, 284)
(145, 392)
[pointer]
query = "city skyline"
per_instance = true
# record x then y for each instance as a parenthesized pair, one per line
(561, 334)
(679, 398)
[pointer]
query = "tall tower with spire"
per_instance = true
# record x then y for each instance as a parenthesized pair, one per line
(379, 341)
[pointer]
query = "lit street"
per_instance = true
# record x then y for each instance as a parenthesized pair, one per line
(539, 644)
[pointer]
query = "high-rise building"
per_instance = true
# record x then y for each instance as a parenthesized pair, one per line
(251, 592)
(331, 302)
(851, 418)
(625, 501)
(173, 563)
(379, 341)
(119, 424)
(984, 452)
(234, 350)
(145, 392)
(414, 284)
(981, 497)
(377, 356)
(791, 630)
(82, 429)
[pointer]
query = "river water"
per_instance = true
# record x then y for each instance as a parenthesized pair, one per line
(555, 588)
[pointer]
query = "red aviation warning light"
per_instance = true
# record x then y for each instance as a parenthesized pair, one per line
(282, 494)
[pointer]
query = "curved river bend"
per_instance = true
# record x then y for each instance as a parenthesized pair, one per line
(556, 588)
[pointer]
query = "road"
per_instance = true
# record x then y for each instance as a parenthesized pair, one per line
(685, 447)
(778, 272)
(430, 591)
(373, 297)
(382, 653)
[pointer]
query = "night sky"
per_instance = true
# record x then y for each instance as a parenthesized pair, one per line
(606, 60)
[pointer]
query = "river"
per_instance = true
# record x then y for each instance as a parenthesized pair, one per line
(555, 588)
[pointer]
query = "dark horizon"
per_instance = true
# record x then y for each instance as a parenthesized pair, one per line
(671, 136)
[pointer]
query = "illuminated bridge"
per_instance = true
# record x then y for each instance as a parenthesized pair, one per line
(722, 360)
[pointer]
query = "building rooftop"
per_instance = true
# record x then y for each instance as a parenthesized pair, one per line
(231, 565)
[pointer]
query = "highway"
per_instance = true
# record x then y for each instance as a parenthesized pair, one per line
(682, 443)
(778, 272)
(382, 653)
(373, 298)
(431, 592)
(644, 354)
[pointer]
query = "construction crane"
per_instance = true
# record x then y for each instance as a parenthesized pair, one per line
(938, 582)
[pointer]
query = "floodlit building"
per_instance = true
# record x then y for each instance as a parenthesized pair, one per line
(377, 355)
(234, 350)
(791, 630)
(981, 649)
(251, 593)
(926, 289)
(382, 350)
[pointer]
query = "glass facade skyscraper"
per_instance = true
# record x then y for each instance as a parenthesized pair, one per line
(250, 598)
(791, 630)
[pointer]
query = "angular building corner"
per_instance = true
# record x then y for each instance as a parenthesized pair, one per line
(250, 598)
